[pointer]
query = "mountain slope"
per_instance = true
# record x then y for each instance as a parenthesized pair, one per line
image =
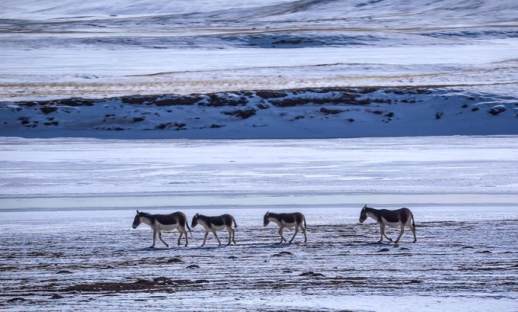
(302, 113)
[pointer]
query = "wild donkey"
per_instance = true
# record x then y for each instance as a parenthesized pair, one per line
(217, 223)
(290, 220)
(163, 222)
(399, 217)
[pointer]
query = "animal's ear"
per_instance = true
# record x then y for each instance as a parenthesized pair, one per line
(138, 211)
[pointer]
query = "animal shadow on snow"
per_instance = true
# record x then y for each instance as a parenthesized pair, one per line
(275, 245)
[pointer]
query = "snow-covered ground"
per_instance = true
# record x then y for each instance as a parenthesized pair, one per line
(67, 207)
(92, 260)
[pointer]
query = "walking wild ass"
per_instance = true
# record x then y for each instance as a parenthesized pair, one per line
(287, 220)
(399, 217)
(214, 224)
(163, 222)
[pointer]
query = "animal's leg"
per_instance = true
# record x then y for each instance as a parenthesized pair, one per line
(382, 232)
(205, 239)
(385, 234)
(281, 229)
(413, 232)
(180, 237)
(294, 234)
(216, 235)
(400, 233)
(186, 239)
(229, 230)
(234, 236)
(304, 231)
(160, 236)
(154, 239)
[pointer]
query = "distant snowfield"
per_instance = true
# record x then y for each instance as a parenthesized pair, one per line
(97, 49)
(79, 173)
(134, 61)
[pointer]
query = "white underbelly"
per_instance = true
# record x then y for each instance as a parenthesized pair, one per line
(391, 224)
(167, 227)
(213, 227)
(289, 225)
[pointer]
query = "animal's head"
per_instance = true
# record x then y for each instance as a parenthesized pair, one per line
(266, 218)
(195, 220)
(363, 214)
(137, 220)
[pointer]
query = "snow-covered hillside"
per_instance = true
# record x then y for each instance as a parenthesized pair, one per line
(72, 48)
(286, 12)
(299, 113)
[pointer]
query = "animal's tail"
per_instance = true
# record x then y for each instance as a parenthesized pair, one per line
(305, 227)
(234, 220)
(413, 228)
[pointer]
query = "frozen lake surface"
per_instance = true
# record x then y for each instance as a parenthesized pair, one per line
(88, 173)
(68, 204)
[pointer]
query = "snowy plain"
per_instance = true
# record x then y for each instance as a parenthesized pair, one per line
(98, 101)
(68, 204)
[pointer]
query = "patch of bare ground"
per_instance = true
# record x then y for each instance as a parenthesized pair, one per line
(279, 98)
(241, 113)
(155, 284)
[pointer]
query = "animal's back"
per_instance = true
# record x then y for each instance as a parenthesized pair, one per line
(390, 215)
(227, 219)
(296, 217)
(182, 218)
(171, 218)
